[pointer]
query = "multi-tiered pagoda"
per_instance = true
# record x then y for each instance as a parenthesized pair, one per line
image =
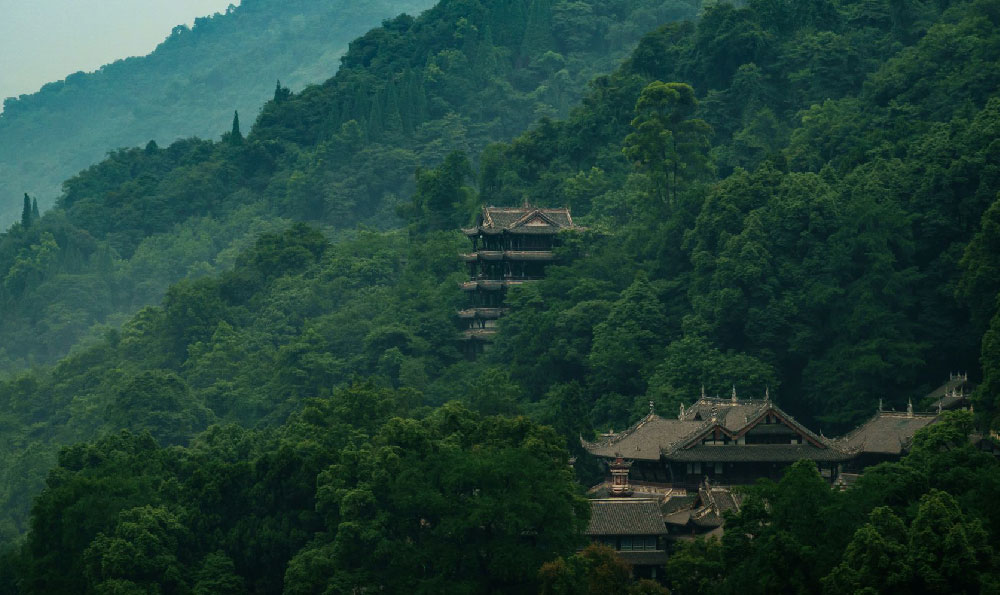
(510, 246)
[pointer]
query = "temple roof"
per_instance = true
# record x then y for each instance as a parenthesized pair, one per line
(714, 502)
(888, 432)
(680, 439)
(648, 438)
(525, 219)
(625, 516)
(949, 395)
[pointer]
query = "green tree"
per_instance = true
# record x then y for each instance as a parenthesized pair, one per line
(668, 143)
(876, 559)
(443, 199)
(628, 344)
(159, 402)
(950, 553)
(26, 212)
(217, 576)
(144, 554)
(235, 136)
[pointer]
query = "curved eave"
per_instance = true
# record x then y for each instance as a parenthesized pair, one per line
(484, 285)
(534, 255)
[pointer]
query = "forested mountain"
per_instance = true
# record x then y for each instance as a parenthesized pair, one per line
(188, 86)
(787, 196)
(342, 153)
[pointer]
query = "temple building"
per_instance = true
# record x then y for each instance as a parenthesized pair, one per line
(510, 246)
(706, 514)
(735, 441)
(729, 441)
(886, 436)
(634, 528)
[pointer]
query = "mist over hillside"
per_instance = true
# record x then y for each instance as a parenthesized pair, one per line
(237, 365)
(189, 86)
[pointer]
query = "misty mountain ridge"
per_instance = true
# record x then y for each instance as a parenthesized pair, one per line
(188, 86)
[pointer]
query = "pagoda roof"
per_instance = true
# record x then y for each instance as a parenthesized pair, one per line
(526, 219)
(949, 395)
(625, 516)
(887, 432)
(680, 438)
(714, 501)
(647, 438)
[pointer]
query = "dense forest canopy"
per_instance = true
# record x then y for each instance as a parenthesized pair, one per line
(188, 86)
(339, 154)
(798, 198)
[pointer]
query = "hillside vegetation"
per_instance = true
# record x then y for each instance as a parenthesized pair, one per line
(338, 154)
(188, 86)
(788, 196)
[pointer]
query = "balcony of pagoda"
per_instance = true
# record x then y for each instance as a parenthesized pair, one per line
(482, 313)
(483, 255)
(483, 284)
(534, 255)
(480, 334)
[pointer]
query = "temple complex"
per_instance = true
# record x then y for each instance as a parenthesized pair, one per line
(730, 441)
(735, 441)
(677, 472)
(510, 246)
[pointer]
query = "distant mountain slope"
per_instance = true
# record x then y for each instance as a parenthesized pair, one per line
(189, 86)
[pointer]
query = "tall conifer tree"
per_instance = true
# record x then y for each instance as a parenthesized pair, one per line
(26, 212)
(236, 137)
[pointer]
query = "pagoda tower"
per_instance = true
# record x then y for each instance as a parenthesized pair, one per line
(510, 246)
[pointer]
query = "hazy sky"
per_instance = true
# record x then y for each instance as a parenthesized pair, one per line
(45, 40)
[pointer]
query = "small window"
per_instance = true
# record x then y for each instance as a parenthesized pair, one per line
(626, 544)
(718, 468)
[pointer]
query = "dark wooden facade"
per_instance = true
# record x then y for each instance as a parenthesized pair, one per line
(510, 246)
(728, 441)
(634, 528)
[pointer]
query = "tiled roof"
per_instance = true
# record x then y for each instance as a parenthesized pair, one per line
(732, 415)
(948, 395)
(648, 438)
(625, 516)
(888, 432)
(526, 219)
(714, 502)
(676, 439)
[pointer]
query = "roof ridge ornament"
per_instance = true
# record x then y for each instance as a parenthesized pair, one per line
(909, 408)
(879, 406)
(681, 414)
(767, 394)
(651, 407)
(734, 399)
(703, 391)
